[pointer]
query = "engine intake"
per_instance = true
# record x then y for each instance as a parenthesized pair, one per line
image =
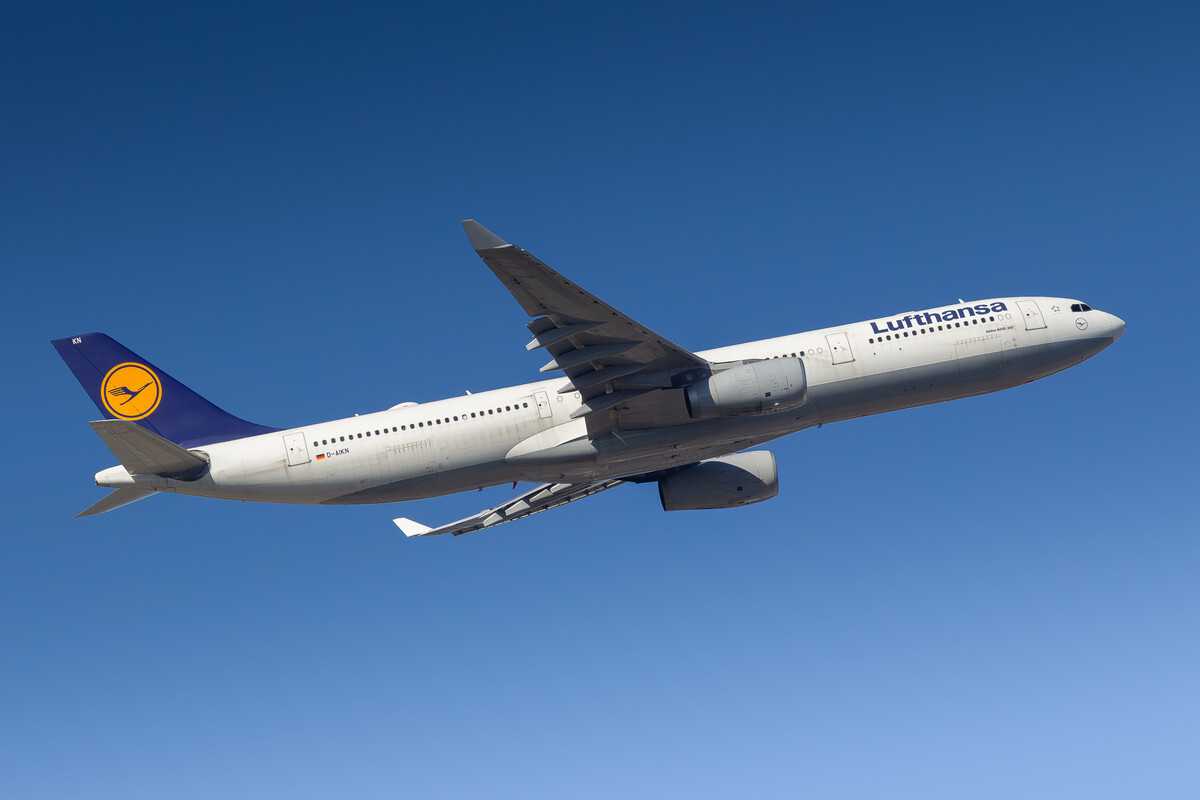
(762, 387)
(727, 482)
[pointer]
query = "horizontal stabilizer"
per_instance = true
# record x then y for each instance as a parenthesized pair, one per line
(142, 452)
(121, 497)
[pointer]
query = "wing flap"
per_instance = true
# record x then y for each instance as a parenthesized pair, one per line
(555, 335)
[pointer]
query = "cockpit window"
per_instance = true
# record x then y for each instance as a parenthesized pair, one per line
(1077, 307)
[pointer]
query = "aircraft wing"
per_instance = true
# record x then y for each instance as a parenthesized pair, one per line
(615, 363)
(540, 498)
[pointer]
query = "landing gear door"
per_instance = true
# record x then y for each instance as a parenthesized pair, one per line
(839, 348)
(297, 451)
(1032, 315)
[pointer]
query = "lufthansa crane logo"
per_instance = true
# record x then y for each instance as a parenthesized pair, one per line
(131, 391)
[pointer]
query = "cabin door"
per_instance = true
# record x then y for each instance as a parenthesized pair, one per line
(297, 451)
(1032, 314)
(839, 348)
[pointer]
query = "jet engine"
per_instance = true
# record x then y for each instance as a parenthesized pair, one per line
(761, 387)
(734, 480)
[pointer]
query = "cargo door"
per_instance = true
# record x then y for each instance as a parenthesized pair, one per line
(415, 462)
(979, 357)
(297, 450)
(1032, 315)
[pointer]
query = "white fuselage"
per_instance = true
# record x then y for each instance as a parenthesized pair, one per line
(525, 433)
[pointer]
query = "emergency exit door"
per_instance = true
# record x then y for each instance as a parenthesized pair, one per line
(543, 405)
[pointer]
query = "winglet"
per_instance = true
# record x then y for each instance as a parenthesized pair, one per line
(481, 238)
(411, 528)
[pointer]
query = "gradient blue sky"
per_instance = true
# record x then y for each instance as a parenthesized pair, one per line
(990, 598)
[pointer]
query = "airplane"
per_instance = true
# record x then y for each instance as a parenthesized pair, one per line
(630, 406)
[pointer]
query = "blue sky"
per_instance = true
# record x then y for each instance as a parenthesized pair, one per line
(989, 598)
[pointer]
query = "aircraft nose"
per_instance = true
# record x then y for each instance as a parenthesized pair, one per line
(1118, 327)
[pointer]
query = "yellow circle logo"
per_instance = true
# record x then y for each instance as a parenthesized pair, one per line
(131, 391)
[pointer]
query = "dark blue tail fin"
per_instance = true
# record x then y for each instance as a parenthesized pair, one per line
(123, 385)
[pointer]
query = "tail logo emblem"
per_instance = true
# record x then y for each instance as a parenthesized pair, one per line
(131, 391)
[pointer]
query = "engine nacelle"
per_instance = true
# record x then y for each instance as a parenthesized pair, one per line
(762, 387)
(734, 480)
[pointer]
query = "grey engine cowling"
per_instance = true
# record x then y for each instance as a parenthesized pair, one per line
(738, 479)
(762, 387)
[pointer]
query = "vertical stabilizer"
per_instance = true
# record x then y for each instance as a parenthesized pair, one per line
(125, 386)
